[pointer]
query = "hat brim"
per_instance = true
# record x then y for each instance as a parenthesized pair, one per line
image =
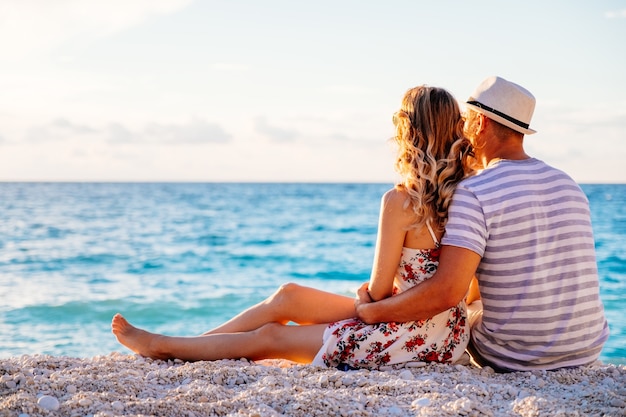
(501, 120)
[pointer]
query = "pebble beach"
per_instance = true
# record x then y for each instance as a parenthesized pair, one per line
(129, 385)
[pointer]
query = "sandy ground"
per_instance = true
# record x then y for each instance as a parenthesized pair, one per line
(128, 385)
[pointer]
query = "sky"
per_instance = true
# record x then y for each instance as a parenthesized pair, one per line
(293, 91)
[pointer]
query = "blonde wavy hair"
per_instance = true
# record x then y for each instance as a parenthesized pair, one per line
(433, 154)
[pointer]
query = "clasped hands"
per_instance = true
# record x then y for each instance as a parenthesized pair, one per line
(361, 300)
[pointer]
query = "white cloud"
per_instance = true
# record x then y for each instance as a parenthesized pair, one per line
(226, 66)
(58, 130)
(28, 27)
(117, 133)
(348, 89)
(196, 131)
(276, 134)
(615, 14)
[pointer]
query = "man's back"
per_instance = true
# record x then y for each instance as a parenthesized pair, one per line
(538, 274)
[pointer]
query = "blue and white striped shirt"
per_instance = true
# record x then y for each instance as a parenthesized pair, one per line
(538, 275)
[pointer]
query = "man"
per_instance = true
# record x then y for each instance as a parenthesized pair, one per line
(523, 229)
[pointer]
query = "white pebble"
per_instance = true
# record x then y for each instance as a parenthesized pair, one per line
(406, 374)
(71, 389)
(117, 405)
(608, 381)
(394, 410)
(84, 402)
(11, 384)
(183, 388)
(415, 364)
(421, 402)
(48, 402)
(270, 380)
(323, 381)
(462, 405)
(346, 381)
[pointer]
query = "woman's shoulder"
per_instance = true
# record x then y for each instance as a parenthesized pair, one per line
(397, 201)
(397, 197)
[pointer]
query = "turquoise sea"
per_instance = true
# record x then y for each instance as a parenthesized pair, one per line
(180, 258)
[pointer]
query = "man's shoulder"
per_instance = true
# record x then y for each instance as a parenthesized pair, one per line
(506, 173)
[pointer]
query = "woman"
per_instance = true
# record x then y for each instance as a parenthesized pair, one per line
(433, 156)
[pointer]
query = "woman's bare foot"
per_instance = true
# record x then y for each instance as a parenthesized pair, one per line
(137, 340)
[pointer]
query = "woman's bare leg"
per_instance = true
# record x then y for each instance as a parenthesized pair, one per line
(291, 302)
(296, 343)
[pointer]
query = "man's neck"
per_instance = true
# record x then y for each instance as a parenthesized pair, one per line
(495, 150)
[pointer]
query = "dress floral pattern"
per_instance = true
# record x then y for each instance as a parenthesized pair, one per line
(352, 343)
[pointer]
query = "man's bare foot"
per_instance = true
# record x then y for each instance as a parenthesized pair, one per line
(137, 340)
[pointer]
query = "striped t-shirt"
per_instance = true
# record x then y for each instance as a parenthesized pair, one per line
(538, 276)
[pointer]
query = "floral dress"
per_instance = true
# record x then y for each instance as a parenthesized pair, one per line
(352, 343)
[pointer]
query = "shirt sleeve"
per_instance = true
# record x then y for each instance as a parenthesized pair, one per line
(466, 226)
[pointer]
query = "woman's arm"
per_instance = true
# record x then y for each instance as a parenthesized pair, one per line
(443, 290)
(393, 222)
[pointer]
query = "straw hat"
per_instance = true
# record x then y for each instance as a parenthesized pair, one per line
(505, 102)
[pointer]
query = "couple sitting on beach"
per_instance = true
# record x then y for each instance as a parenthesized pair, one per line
(480, 247)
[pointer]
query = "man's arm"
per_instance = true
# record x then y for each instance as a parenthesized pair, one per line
(443, 290)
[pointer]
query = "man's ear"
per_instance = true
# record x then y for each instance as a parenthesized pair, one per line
(481, 123)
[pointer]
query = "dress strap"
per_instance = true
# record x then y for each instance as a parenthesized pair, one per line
(432, 233)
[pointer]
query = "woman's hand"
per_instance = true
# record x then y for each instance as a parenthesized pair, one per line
(361, 301)
(362, 295)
